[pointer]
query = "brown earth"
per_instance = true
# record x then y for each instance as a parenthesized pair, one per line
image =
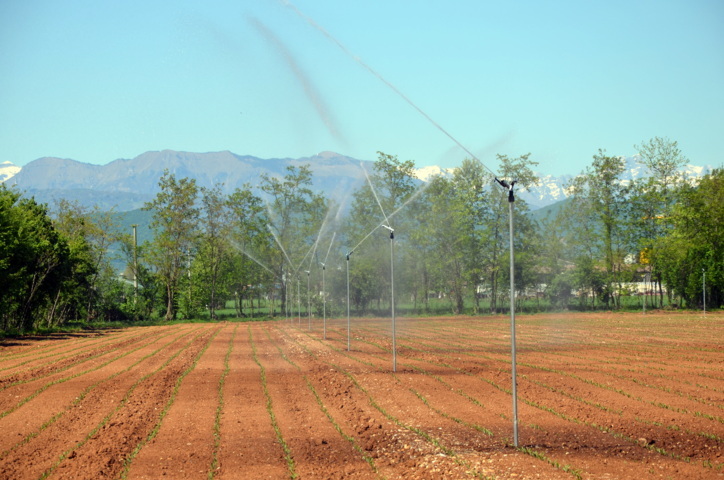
(599, 396)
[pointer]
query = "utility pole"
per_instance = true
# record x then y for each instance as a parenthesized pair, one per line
(703, 288)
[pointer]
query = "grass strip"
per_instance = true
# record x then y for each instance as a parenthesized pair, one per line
(542, 456)
(270, 409)
(220, 409)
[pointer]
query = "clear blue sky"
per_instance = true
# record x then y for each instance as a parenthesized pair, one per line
(100, 80)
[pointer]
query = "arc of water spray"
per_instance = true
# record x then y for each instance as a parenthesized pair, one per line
(372, 187)
(311, 249)
(310, 90)
(334, 234)
(439, 127)
(271, 230)
(241, 249)
(365, 238)
(409, 199)
(379, 77)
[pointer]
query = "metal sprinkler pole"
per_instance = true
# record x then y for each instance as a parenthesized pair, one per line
(350, 253)
(392, 295)
(299, 304)
(324, 302)
(511, 200)
(309, 309)
(392, 299)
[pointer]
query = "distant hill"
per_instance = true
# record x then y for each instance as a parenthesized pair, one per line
(126, 184)
(549, 211)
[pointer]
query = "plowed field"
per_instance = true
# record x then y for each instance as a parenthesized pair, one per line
(600, 396)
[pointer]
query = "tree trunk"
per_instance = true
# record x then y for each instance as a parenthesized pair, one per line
(170, 312)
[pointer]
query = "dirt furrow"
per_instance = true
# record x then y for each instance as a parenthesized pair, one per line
(573, 437)
(317, 448)
(44, 365)
(183, 447)
(38, 413)
(248, 442)
(95, 436)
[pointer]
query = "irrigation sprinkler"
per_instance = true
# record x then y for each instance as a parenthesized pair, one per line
(392, 294)
(511, 201)
(309, 310)
(348, 329)
(324, 288)
(286, 297)
(324, 303)
(299, 304)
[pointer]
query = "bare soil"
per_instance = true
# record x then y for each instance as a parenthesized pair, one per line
(599, 396)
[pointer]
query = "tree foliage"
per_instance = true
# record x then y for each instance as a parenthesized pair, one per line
(450, 242)
(175, 222)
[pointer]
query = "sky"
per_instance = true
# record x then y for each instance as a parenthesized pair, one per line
(434, 81)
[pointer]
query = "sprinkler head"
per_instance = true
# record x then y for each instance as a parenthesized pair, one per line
(392, 230)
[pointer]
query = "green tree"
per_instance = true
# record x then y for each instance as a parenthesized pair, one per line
(89, 234)
(294, 214)
(441, 240)
(214, 248)
(695, 244)
(34, 261)
(383, 200)
(598, 214)
(253, 246)
(175, 223)
(492, 210)
(653, 200)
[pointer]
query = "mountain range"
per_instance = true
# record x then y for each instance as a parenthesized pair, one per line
(125, 184)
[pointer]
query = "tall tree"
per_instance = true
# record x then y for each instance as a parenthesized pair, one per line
(441, 241)
(694, 247)
(295, 215)
(253, 244)
(490, 221)
(382, 200)
(600, 196)
(89, 234)
(175, 222)
(214, 247)
(34, 261)
(653, 200)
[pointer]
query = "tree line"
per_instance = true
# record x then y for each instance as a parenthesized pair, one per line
(282, 247)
